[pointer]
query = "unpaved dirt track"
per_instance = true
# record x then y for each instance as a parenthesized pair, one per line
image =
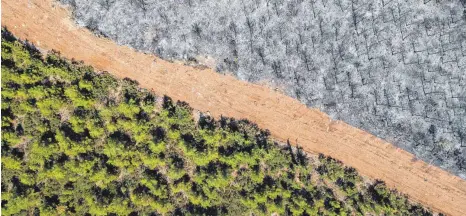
(49, 26)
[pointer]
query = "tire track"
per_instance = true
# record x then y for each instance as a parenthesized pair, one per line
(48, 25)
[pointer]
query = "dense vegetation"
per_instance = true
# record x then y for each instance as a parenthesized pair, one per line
(78, 142)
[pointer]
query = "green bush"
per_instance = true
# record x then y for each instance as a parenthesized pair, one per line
(76, 142)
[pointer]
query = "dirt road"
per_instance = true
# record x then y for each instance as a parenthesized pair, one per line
(48, 25)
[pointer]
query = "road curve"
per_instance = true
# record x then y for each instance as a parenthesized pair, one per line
(48, 26)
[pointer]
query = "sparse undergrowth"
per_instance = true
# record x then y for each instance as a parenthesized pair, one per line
(78, 142)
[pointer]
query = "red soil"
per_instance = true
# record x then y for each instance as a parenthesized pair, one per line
(49, 26)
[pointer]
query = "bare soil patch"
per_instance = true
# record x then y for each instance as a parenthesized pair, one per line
(49, 26)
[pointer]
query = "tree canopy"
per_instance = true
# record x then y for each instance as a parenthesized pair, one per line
(77, 142)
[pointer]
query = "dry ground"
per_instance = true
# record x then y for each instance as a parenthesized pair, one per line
(49, 26)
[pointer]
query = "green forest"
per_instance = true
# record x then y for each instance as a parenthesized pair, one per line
(79, 142)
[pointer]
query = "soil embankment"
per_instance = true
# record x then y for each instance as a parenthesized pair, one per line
(49, 26)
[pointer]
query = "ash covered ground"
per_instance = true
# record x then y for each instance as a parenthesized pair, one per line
(395, 68)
